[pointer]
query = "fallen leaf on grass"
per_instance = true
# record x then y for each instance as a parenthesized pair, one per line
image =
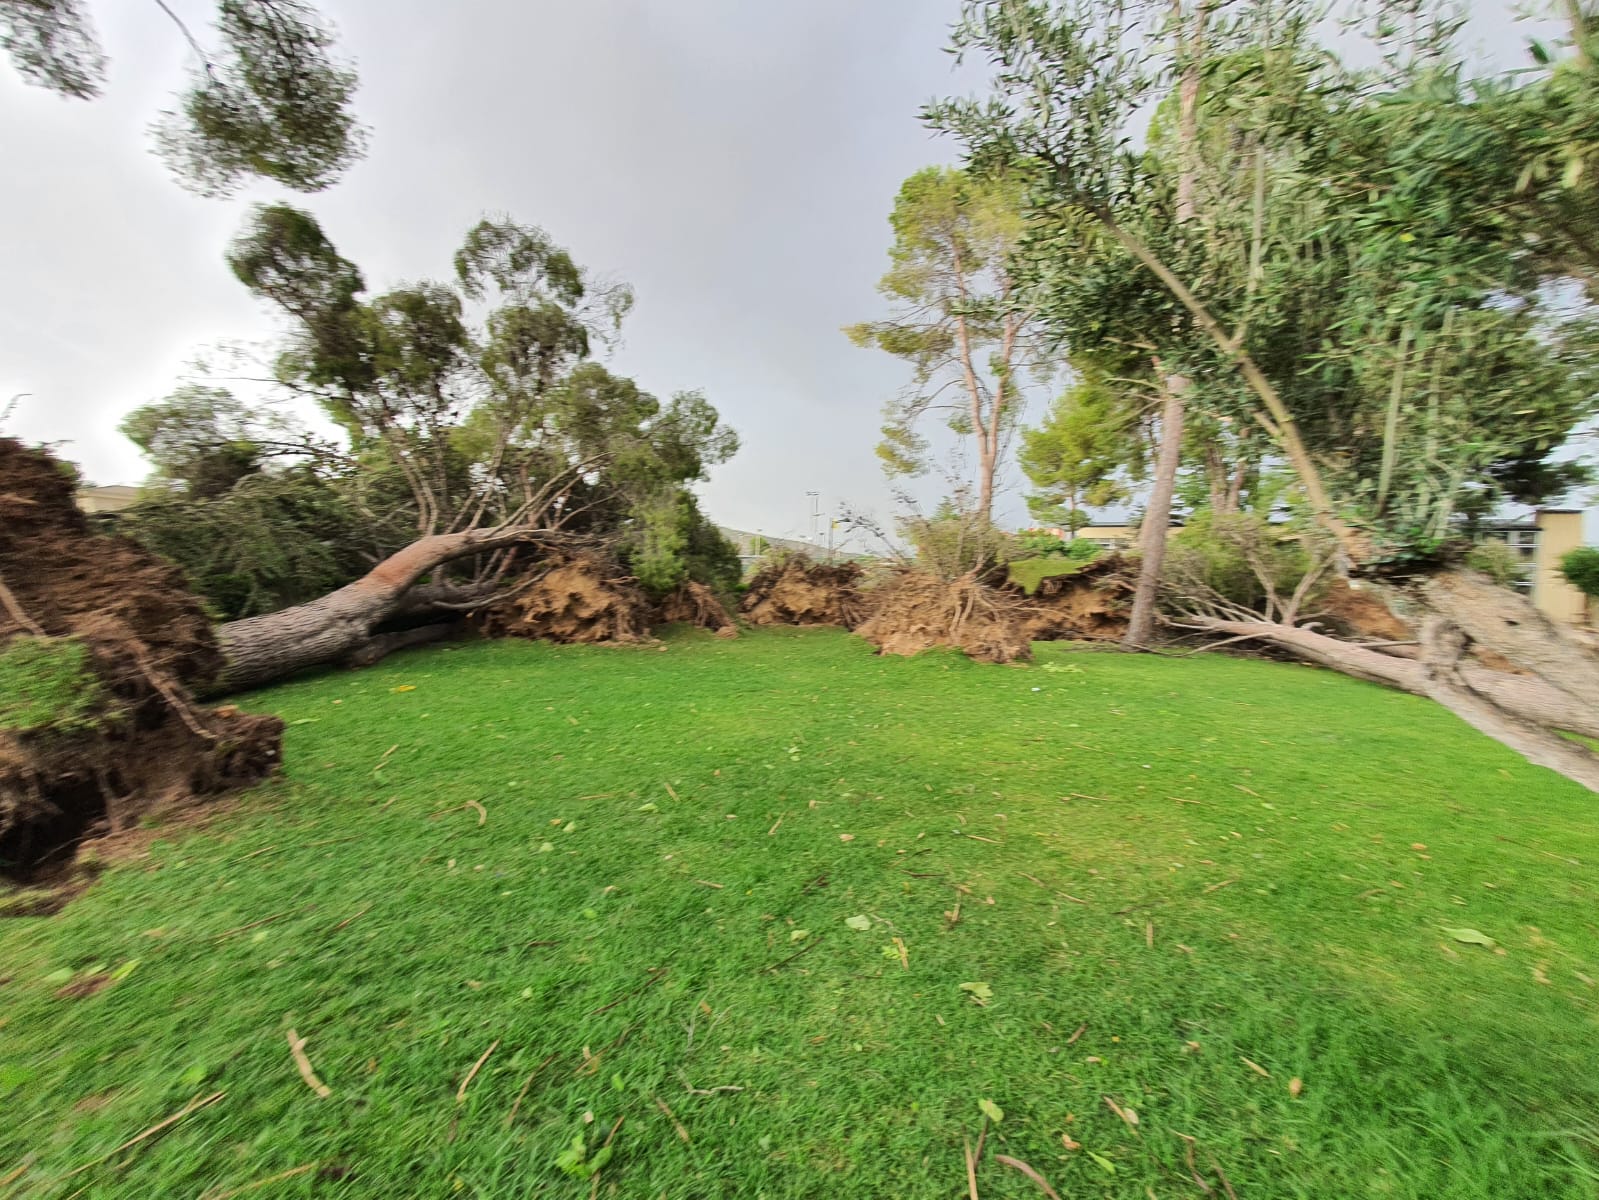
(798, 934)
(1255, 1067)
(1110, 1167)
(1066, 1140)
(861, 924)
(1017, 1164)
(1471, 937)
(1295, 1086)
(980, 992)
(846, 837)
(404, 687)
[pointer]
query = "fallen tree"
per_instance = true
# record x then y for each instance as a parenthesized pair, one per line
(1553, 691)
(346, 623)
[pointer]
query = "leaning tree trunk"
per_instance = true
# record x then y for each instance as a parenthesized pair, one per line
(1157, 517)
(342, 624)
(1521, 711)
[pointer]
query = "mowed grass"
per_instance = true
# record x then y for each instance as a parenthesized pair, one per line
(1185, 884)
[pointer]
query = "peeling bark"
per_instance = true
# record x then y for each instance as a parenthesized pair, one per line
(330, 629)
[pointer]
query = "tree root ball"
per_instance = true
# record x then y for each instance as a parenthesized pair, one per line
(101, 645)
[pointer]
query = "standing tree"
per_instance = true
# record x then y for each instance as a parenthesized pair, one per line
(1081, 455)
(272, 103)
(959, 320)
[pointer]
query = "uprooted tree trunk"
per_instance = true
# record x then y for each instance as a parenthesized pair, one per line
(343, 625)
(1526, 712)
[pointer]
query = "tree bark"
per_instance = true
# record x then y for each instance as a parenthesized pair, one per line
(1507, 622)
(1157, 516)
(330, 629)
(1518, 711)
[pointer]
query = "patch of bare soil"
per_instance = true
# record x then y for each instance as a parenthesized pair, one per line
(148, 643)
(1091, 605)
(914, 612)
(693, 603)
(800, 591)
(572, 597)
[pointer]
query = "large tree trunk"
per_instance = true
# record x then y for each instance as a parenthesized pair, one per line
(1519, 711)
(342, 623)
(1157, 517)
(1507, 622)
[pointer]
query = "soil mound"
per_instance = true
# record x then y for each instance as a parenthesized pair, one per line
(101, 643)
(573, 597)
(1091, 605)
(695, 604)
(801, 591)
(915, 612)
(1361, 615)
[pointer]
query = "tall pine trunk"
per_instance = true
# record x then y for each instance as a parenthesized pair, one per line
(1157, 516)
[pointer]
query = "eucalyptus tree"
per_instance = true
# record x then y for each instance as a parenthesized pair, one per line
(958, 318)
(479, 397)
(269, 101)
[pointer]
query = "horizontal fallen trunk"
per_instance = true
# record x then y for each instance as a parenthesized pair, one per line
(1508, 623)
(330, 629)
(1514, 709)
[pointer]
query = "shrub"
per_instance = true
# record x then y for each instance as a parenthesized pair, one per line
(48, 685)
(1496, 560)
(1229, 559)
(1581, 569)
(950, 544)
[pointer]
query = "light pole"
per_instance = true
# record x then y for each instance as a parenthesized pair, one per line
(816, 512)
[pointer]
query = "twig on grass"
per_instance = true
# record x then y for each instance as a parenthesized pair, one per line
(775, 824)
(1216, 887)
(1081, 1029)
(482, 813)
(1193, 1169)
(783, 962)
(263, 921)
(297, 1048)
(385, 757)
(261, 1183)
(460, 1092)
(656, 975)
(350, 920)
(709, 884)
(669, 790)
(522, 1095)
(971, 1170)
(254, 853)
(191, 1107)
(1028, 1171)
(670, 1116)
(12, 1176)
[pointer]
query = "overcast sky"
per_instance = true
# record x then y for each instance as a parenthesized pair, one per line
(735, 160)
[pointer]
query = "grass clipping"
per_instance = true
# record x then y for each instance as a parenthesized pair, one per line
(915, 611)
(797, 590)
(100, 642)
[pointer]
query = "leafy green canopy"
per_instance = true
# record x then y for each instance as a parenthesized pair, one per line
(462, 403)
(1338, 290)
(273, 104)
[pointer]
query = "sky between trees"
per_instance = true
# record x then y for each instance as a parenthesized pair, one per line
(735, 162)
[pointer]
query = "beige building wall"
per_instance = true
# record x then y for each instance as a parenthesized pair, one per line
(1558, 532)
(114, 498)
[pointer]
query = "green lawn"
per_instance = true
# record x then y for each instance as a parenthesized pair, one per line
(1185, 884)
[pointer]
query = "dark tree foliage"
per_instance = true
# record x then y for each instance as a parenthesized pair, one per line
(273, 102)
(52, 44)
(276, 539)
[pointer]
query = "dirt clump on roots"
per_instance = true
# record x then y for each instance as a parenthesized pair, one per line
(915, 611)
(1092, 604)
(101, 645)
(572, 597)
(1359, 614)
(797, 590)
(693, 603)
